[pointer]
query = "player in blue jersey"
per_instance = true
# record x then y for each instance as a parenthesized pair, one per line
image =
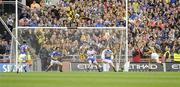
(107, 57)
(23, 57)
(55, 56)
(91, 58)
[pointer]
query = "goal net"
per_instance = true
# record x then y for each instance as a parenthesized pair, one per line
(72, 44)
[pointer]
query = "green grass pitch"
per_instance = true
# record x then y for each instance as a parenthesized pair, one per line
(90, 79)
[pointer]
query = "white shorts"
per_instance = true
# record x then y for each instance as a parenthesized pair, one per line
(23, 57)
(107, 61)
(55, 62)
(154, 56)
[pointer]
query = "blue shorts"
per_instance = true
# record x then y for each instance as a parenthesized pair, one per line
(108, 58)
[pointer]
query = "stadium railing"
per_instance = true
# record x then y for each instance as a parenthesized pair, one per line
(6, 58)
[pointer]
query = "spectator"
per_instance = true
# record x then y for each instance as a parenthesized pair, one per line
(10, 22)
(35, 5)
(137, 54)
(44, 55)
(4, 48)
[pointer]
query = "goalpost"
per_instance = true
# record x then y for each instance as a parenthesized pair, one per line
(38, 31)
(118, 58)
(13, 48)
(127, 62)
(124, 36)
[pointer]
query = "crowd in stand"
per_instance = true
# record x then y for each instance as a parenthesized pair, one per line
(4, 48)
(74, 13)
(7, 11)
(5, 38)
(153, 24)
(73, 42)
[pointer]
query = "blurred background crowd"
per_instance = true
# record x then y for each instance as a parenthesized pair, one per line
(73, 13)
(153, 24)
(7, 13)
(72, 43)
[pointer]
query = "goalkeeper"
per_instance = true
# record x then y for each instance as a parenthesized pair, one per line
(23, 58)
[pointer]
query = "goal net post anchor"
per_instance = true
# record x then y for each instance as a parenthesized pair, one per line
(164, 67)
(126, 66)
(117, 66)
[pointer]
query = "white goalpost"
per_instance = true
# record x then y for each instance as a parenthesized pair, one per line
(121, 59)
(16, 32)
(127, 62)
(14, 39)
(124, 36)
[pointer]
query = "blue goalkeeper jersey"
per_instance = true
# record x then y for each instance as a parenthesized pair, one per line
(23, 48)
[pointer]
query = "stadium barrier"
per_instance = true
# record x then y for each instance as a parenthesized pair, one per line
(82, 67)
(5, 58)
(73, 63)
(134, 67)
(154, 67)
(7, 67)
(10, 67)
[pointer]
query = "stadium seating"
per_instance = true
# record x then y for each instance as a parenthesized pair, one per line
(153, 23)
(71, 13)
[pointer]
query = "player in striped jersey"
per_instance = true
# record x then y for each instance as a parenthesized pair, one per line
(107, 57)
